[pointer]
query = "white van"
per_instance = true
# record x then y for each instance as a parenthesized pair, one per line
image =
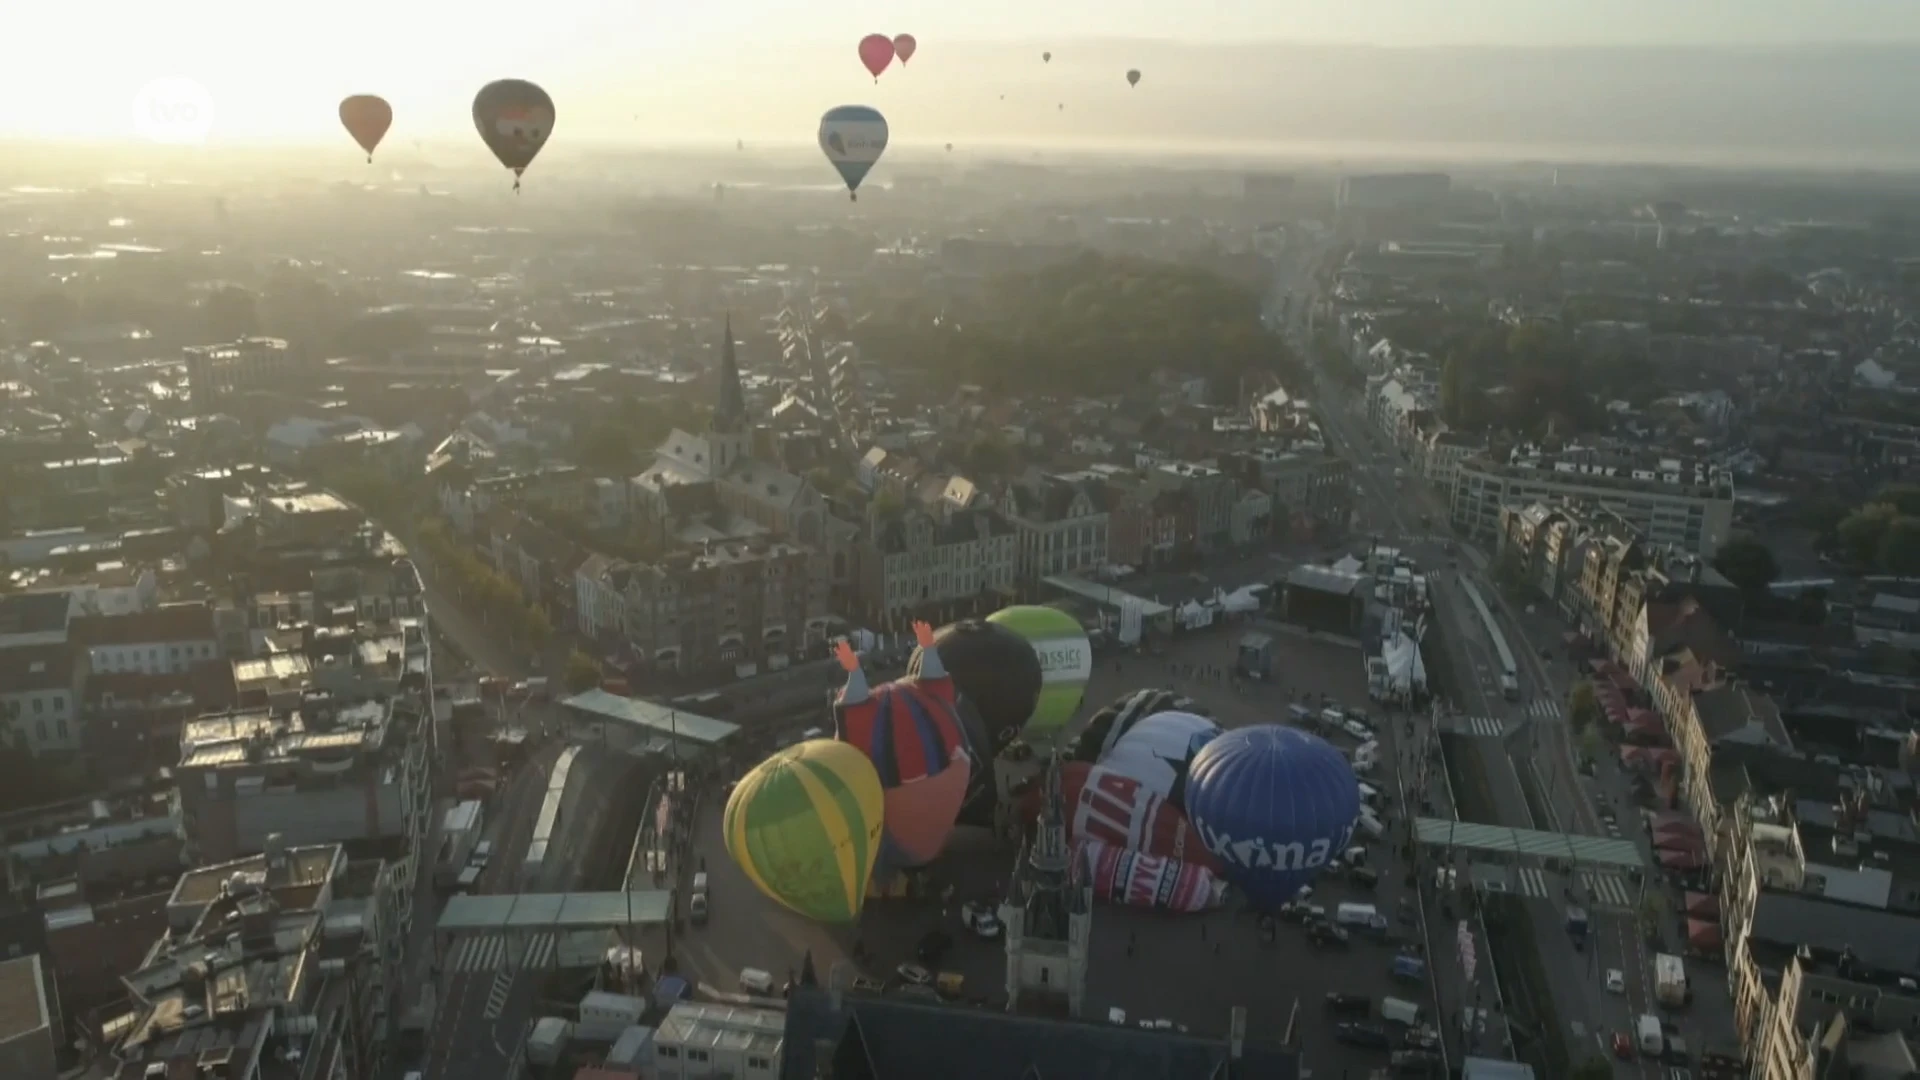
(1370, 826)
(1651, 1039)
(755, 981)
(1355, 914)
(468, 880)
(1399, 1011)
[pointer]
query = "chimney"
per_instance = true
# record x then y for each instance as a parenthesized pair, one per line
(1237, 1033)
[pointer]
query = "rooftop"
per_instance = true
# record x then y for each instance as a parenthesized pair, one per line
(663, 719)
(23, 998)
(733, 1029)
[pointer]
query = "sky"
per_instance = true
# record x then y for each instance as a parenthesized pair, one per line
(86, 69)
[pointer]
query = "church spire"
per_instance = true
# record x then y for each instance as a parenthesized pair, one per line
(730, 411)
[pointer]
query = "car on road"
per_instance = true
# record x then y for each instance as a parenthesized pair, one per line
(981, 919)
(1369, 1036)
(482, 851)
(913, 974)
(1623, 1046)
(1340, 1004)
(1616, 981)
(1328, 936)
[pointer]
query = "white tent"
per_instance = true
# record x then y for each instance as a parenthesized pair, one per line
(1239, 601)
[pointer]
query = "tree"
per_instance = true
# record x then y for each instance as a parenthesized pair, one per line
(1900, 547)
(1747, 563)
(989, 456)
(1510, 572)
(1593, 1068)
(583, 672)
(1861, 532)
(1583, 705)
(1454, 391)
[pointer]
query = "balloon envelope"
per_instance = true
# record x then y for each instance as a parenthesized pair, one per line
(1133, 77)
(1107, 726)
(1116, 809)
(904, 46)
(1273, 804)
(366, 118)
(1046, 58)
(1159, 751)
(995, 669)
(1066, 663)
(514, 118)
(1137, 879)
(853, 137)
(804, 826)
(911, 733)
(876, 52)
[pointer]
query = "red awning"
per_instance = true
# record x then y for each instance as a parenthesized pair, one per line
(1661, 819)
(1679, 842)
(1679, 860)
(1600, 667)
(1703, 934)
(1621, 680)
(1703, 906)
(1643, 716)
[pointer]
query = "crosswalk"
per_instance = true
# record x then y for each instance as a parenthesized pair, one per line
(497, 995)
(501, 952)
(1543, 709)
(1598, 889)
(1486, 727)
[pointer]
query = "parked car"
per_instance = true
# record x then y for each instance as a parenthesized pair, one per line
(1349, 1004)
(1370, 1036)
(981, 919)
(913, 974)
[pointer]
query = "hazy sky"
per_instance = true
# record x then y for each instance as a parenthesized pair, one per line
(76, 67)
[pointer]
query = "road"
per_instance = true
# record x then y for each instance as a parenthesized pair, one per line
(1533, 740)
(1392, 506)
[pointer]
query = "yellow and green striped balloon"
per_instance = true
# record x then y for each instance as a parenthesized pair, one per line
(805, 827)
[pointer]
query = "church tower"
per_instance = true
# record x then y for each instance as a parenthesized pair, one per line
(729, 436)
(1048, 915)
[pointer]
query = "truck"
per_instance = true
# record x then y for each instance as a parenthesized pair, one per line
(416, 1020)
(1669, 980)
(1509, 686)
(604, 1016)
(547, 1042)
(1577, 925)
(1649, 1037)
(459, 832)
(1354, 914)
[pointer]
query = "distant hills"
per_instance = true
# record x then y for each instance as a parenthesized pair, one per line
(1813, 105)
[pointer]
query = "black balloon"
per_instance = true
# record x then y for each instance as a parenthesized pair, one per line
(979, 804)
(1105, 727)
(994, 668)
(515, 119)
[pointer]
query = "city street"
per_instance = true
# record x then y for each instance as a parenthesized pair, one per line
(1530, 737)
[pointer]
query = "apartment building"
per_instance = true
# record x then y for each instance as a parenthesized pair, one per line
(747, 606)
(915, 562)
(217, 373)
(1669, 501)
(281, 964)
(31, 1028)
(167, 640)
(1060, 523)
(331, 770)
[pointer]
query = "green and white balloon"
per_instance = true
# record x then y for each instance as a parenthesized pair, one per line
(1066, 663)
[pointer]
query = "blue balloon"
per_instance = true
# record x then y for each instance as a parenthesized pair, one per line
(1273, 804)
(853, 137)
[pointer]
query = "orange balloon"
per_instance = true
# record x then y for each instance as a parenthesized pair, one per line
(367, 118)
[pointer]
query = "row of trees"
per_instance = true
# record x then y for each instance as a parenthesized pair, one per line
(483, 590)
(1884, 532)
(1093, 324)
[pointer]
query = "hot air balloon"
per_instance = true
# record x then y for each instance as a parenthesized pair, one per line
(904, 46)
(1046, 58)
(1160, 749)
(853, 137)
(1101, 803)
(996, 671)
(1066, 663)
(949, 148)
(514, 117)
(1137, 879)
(1133, 77)
(1273, 804)
(1063, 106)
(876, 52)
(1105, 727)
(366, 118)
(909, 730)
(805, 825)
